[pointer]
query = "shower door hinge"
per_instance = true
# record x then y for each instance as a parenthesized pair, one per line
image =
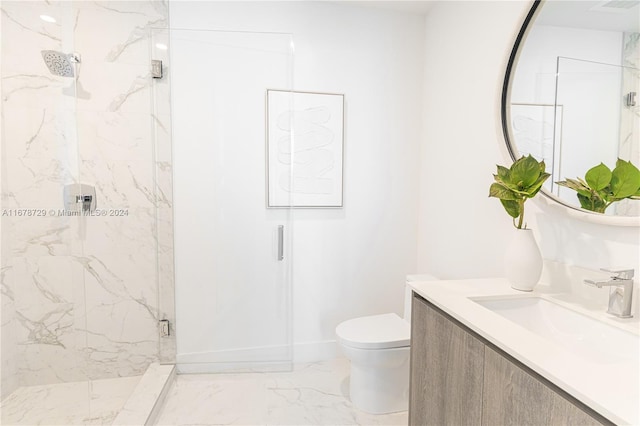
(165, 328)
(156, 68)
(630, 99)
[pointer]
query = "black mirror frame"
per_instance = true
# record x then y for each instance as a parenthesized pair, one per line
(574, 211)
(508, 73)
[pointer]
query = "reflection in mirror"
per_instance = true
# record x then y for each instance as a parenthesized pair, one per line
(574, 99)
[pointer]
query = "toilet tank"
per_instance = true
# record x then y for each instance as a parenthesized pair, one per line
(408, 292)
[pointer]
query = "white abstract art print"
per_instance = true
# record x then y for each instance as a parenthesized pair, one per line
(304, 149)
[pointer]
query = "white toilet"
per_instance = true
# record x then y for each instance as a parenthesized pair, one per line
(378, 348)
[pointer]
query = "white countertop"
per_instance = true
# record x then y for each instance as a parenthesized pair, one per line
(611, 389)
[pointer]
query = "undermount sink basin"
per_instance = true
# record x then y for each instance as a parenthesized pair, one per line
(583, 336)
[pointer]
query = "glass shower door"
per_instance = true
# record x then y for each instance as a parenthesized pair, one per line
(593, 89)
(232, 253)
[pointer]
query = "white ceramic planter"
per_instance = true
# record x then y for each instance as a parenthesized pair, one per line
(523, 261)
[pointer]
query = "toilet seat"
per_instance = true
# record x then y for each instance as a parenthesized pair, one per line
(384, 331)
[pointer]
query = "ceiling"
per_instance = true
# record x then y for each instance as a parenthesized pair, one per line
(414, 7)
(607, 15)
(610, 15)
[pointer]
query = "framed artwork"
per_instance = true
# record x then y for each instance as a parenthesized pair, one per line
(305, 144)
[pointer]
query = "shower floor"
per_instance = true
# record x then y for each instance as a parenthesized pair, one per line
(96, 402)
(123, 401)
(312, 394)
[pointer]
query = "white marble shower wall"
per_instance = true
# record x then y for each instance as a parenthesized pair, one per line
(630, 116)
(82, 308)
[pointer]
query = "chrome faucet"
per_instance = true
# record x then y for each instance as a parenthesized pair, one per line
(621, 295)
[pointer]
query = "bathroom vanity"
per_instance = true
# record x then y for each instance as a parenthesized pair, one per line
(479, 356)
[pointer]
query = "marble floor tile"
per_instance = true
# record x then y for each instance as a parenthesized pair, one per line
(312, 394)
(76, 403)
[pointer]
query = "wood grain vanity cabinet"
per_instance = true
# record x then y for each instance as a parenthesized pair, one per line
(446, 369)
(458, 378)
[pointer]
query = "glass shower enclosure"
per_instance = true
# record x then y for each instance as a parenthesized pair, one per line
(232, 253)
(593, 89)
(79, 259)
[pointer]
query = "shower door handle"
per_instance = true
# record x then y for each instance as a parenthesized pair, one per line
(280, 242)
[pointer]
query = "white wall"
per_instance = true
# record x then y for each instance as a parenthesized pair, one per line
(350, 261)
(535, 74)
(462, 232)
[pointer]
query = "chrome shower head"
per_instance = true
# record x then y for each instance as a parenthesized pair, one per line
(60, 63)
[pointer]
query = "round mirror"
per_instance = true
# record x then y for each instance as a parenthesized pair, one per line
(571, 97)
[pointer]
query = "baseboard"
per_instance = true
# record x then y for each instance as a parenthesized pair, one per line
(265, 358)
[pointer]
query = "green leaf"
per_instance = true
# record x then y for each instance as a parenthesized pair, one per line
(625, 180)
(620, 161)
(525, 171)
(604, 195)
(598, 177)
(499, 191)
(504, 174)
(542, 166)
(514, 185)
(576, 185)
(601, 186)
(592, 203)
(516, 189)
(535, 188)
(512, 207)
(585, 202)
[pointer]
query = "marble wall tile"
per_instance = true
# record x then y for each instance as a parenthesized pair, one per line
(35, 89)
(162, 133)
(166, 293)
(22, 20)
(114, 87)
(121, 184)
(629, 145)
(121, 284)
(112, 136)
(8, 345)
(631, 50)
(38, 183)
(33, 237)
(49, 314)
(118, 340)
(129, 25)
(36, 133)
(164, 184)
(80, 295)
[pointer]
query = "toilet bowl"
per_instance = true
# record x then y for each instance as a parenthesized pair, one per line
(378, 347)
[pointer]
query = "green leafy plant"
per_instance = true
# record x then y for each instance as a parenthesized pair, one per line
(602, 186)
(515, 185)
